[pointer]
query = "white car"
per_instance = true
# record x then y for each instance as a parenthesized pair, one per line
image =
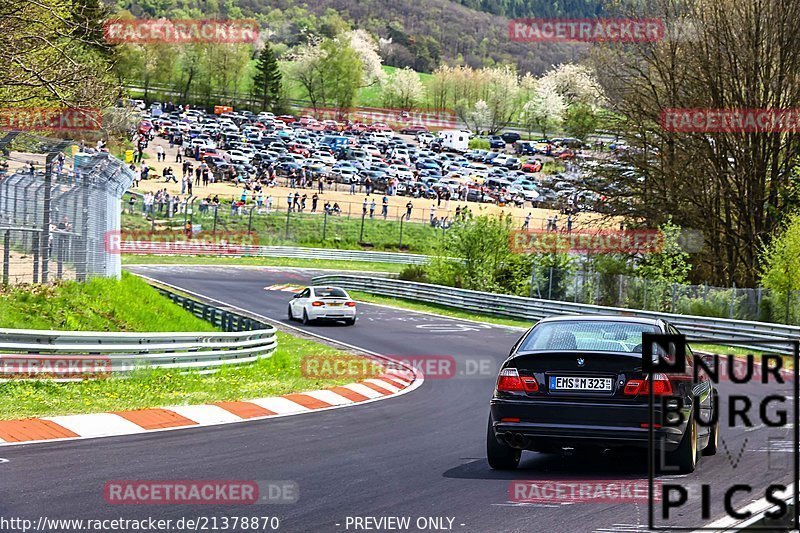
(237, 156)
(322, 303)
(401, 172)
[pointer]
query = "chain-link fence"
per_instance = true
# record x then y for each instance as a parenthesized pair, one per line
(591, 287)
(275, 223)
(58, 203)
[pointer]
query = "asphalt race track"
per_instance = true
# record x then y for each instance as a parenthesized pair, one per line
(419, 455)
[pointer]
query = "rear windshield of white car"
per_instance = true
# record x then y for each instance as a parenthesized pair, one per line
(587, 336)
(330, 293)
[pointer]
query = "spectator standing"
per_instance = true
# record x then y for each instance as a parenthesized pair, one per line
(372, 208)
(409, 207)
(527, 224)
(385, 207)
(314, 200)
(160, 153)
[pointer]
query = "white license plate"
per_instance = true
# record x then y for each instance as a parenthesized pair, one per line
(578, 383)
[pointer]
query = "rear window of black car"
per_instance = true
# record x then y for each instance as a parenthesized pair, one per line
(587, 335)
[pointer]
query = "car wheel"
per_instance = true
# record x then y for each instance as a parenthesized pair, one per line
(713, 438)
(713, 441)
(685, 455)
(350, 321)
(289, 313)
(306, 320)
(501, 456)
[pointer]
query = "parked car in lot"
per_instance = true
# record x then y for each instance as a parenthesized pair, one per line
(577, 382)
(322, 303)
(413, 130)
(510, 137)
(496, 142)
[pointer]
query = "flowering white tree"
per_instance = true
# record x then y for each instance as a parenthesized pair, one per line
(501, 90)
(306, 68)
(577, 84)
(479, 118)
(403, 89)
(367, 49)
(545, 109)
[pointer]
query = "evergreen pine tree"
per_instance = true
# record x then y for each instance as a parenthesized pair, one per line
(267, 80)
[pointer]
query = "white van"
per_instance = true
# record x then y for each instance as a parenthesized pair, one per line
(454, 140)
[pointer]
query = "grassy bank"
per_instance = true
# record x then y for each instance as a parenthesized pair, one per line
(279, 374)
(262, 261)
(132, 305)
(102, 304)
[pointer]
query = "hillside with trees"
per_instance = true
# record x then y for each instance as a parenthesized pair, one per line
(413, 35)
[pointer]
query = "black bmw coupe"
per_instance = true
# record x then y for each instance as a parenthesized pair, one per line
(577, 382)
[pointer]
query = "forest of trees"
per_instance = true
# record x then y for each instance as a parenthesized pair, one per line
(538, 8)
(415, 35)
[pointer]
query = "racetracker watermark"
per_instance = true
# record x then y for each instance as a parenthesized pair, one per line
(38, 366)
(50, 119)
(589, 242)
(395, 118)
(431, 366)
(578, 491)
(596, 241)
(622, 30)
(184, 31)
(200, 492)
(698, 120)
(178, 243)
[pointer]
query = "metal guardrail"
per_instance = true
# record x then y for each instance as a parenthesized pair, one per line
(244, 340)
(235, 250)
(751, 335)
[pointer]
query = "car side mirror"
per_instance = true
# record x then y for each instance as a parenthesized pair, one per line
(296, 296)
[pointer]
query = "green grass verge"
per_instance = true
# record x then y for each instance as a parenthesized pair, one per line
(310, 230)
(438, 309)
(262, 261)
(102, 304)
(277, 375)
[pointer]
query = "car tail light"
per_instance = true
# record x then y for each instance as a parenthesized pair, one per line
(510, 381)
(661, 386)
(350, 304)
(317, 304)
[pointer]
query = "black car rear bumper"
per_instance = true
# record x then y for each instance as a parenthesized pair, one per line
(545, 424)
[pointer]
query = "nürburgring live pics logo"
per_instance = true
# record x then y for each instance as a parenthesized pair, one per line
(669, 354)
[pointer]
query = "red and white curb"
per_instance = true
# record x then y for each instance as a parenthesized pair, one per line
(70, 427)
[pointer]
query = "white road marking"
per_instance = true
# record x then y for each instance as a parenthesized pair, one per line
(96, 425)
(281, 406)
(363, 390)
(453, 327)
(3, 460)
(328, 396)
(205, 414)
(383, 384)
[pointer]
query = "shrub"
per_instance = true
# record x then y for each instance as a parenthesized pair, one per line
(415, 273)
(479, 144)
